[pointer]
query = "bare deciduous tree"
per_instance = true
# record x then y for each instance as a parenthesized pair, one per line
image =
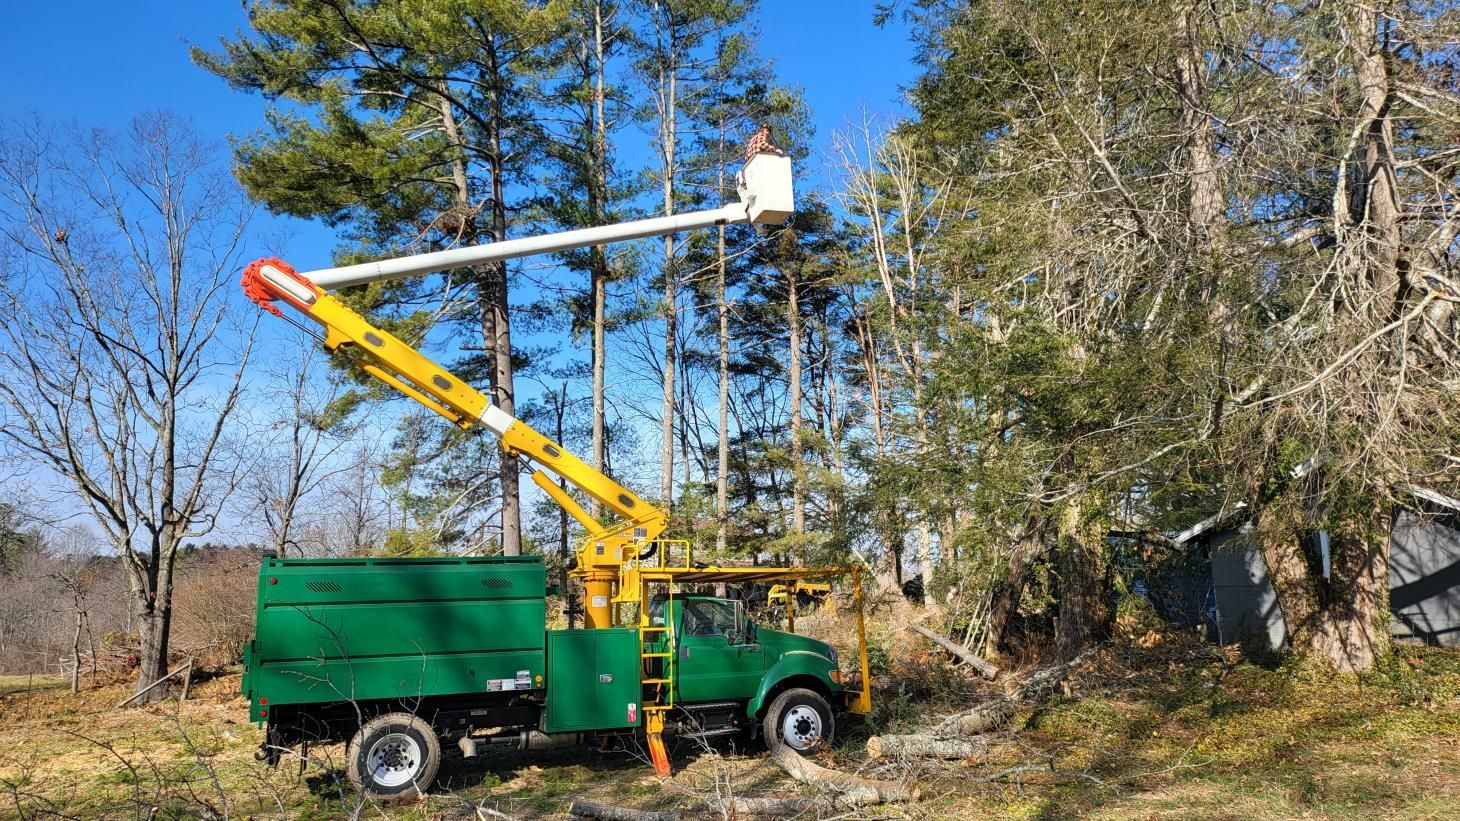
(299, 455)
(121, 361)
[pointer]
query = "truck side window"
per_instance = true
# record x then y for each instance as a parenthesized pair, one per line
(708, 617)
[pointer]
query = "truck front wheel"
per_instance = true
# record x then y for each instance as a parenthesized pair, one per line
(799, 718)
(394, 757)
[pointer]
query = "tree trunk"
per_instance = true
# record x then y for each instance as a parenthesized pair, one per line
(667, 145)
(1373, 189)
(1342, 620)
(1355, 631)
(611, 812)
(76, 656)
(1029, 546)
(798, 487)
(892, 535)
(965, 655)
(598, 261)
(981, 719)
(722, 428)
(600, 326)
(923, 746)
(497, 302)
(1084, 611)
(560, 409)
(925, 560)
(154, 631)
(1206, 207)
(848, 787)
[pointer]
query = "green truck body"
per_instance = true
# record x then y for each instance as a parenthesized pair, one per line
(331, 630)
(461, 644)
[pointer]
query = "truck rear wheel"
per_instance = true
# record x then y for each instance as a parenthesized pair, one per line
(799, 718)
(394, 757)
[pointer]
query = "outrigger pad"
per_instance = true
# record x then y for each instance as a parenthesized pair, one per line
(658, 755)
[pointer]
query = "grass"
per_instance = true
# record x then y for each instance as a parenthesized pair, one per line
(19, 684)
(1172, 729)
(1185, 732)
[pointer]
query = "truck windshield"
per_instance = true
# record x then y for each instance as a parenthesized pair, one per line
(708, 617)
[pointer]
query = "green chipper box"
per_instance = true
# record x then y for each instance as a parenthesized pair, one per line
(398, 656)
(395, 629)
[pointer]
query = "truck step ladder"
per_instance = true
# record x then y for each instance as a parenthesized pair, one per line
(657, 686)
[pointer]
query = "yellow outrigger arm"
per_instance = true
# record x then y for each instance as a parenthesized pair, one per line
(409, 371)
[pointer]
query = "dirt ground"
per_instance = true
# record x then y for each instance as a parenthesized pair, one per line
(1155, 727)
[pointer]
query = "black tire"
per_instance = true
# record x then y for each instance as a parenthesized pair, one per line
(792, 711)
(394, 757)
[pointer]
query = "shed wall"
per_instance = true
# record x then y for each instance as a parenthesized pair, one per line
(1247, 606)
(1424, 578)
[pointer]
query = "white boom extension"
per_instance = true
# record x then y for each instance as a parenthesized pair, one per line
(766, 198)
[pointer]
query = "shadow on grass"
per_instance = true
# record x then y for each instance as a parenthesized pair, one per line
(546, 781)
(1222, 736)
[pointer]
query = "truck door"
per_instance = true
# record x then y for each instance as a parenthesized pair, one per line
(713, 662)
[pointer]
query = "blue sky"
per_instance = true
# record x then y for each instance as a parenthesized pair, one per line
(101, 63)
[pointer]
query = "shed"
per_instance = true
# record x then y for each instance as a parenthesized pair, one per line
(1424, 570)
(1424, 573)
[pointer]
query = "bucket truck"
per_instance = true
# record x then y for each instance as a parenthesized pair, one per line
(398, 654)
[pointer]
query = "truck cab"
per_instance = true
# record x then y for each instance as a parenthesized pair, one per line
(729, 673)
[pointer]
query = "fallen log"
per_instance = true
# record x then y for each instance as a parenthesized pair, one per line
(133, 697)
(991, 715)
(773, 807)
(984, 668)
(1048, 679)
(611, 812)
(851, 789)
(925, 746)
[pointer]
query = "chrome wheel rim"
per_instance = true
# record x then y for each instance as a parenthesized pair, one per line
(801, 728)
(393, 760)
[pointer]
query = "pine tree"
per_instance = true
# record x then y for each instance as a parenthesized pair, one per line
(421, 123)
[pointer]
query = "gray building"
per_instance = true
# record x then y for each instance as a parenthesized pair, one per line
(1424, 574)
(1424, 570)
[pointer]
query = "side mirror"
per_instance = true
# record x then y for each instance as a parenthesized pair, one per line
(743, 630)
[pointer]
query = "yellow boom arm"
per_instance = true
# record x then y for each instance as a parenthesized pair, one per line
(409, 371)
(766, 198)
